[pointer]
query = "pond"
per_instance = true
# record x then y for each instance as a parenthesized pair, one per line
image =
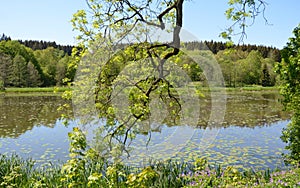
(30, 126)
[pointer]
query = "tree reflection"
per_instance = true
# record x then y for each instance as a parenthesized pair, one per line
(19, 114)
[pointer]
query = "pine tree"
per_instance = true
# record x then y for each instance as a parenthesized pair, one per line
(266, 78)
(19, 76)
(34, 79)
(5, 68)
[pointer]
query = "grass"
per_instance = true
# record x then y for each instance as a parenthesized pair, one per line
(193, 84)
(251, 88)
(35, 89)
(16, 172)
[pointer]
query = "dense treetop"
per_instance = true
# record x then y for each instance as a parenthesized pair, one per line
(40, 45)
(21, 66)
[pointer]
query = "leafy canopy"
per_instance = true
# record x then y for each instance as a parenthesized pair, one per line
(289, 70)
(120, 33)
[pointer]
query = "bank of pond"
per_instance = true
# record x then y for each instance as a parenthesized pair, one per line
(244, 150)
(87, 172)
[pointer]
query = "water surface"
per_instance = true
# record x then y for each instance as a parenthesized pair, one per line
(249, 135)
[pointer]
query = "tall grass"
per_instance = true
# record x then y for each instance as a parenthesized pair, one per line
(17, 172)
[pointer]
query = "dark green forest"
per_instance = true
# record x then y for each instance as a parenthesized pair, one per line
(33, 63)
(42, 64)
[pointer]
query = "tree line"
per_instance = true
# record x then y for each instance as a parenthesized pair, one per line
(41, 64)
(40, 45)
(215, 47)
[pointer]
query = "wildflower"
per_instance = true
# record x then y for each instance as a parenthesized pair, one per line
(208, 173)
(193, 183)
(279, 182)
(222, 174)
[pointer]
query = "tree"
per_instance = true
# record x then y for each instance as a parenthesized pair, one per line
(2, 88)
(289, 70)
(269, 67)
(48, 60)
(5, 69)
(230, 63)
(266, 78)
(61, 70)
(19, 75)
(251, 67)
(109, 23)
(34, 78)
(14, 48)
(4, 37)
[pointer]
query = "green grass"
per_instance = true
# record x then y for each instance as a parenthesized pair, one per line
(193, 84)
(36, 89)
(17, 172)
(253, 88)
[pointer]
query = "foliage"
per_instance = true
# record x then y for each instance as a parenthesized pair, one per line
(16, 172)
(266, 78)
(40, 45)
(233, 177)
(2, 88)
(5, 69)
(132, 22)
(14, 65)
(74, 169)
(52, 67)
(4, 37)
(240, 68)
(243, 14)
(22, 67)
(289, 70)
(215, 47)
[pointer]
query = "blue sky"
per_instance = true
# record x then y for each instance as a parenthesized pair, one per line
(49, 20)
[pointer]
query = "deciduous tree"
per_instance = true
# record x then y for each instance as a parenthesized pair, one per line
(289, 69)
(108, 24)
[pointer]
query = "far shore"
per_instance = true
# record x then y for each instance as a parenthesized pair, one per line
(195, 84)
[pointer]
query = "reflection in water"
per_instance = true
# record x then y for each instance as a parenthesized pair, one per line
(249, 109)
(29, 126)
(19, 114)
(41, 143)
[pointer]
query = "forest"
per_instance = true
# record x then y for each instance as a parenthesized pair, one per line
(33, 63)
(42, 64)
